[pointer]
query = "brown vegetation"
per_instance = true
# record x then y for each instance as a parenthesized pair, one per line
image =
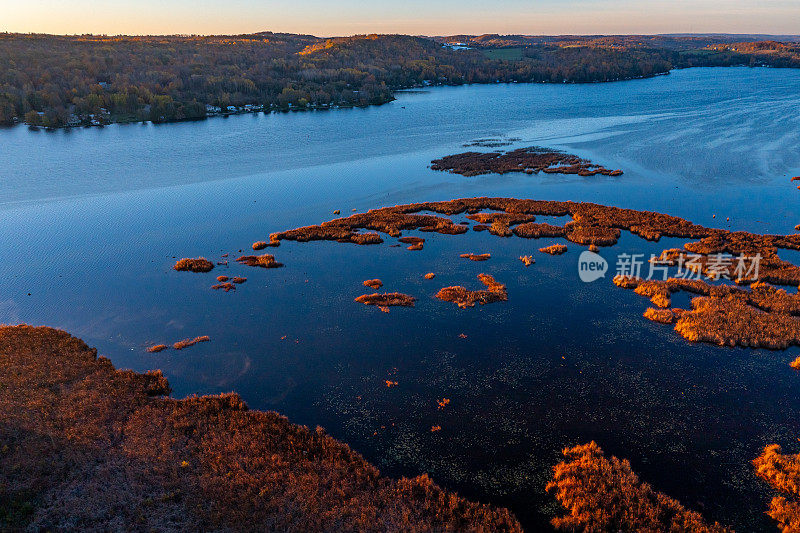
(663, 316)
(772, 268)
(200, 264)
(263, 261)
(760, 316)
(476, 257)
(238, 280)
(227, 286)
(533, 230)
(85, 446)
(259, 245)
(185, 343)
(60, 80)
(429, 275)
(782, 472)
(222, 278)
(415, 243)
(795, 364)
(507, 219)
(603, 494)
(591, 224)
(157, 348)
(388, 299)
(499, 223)
(527, 260)
(529, 160)
(554, 249)
(373, 284)
(463, 297)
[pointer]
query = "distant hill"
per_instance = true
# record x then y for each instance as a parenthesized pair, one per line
(675, 41)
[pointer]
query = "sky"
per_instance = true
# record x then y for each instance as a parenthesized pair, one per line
(416, 17)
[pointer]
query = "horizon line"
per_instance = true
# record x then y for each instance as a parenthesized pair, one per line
(260, 32)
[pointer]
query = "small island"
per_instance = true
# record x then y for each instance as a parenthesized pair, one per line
(531, 160)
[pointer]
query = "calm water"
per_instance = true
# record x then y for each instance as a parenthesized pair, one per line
(92, 219)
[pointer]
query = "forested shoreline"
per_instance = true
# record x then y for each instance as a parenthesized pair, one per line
(59, 81)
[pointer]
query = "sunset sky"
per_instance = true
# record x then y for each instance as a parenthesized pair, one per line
(439, 17)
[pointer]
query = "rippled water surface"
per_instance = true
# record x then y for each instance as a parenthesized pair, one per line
(91, 221)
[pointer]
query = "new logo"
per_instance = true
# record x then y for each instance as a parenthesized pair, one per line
(591, 266)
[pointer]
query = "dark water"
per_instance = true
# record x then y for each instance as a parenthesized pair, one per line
(91, 220)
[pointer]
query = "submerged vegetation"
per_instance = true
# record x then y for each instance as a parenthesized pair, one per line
(90, 447)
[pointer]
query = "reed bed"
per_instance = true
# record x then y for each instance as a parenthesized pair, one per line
(531, 160)
(200, 264)
(476, 257)
(782, 472)
(118, 450)
(185, 343)
(604, 494)
(263, 261)
(463, 297)
(554, 249)
(415, 243)
(389, 299)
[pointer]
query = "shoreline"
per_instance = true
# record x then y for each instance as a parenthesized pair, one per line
(336, 107)
(313, 108)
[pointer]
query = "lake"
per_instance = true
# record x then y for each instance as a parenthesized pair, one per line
(92, 220)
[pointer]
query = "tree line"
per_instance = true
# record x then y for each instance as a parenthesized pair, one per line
(55, 81)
